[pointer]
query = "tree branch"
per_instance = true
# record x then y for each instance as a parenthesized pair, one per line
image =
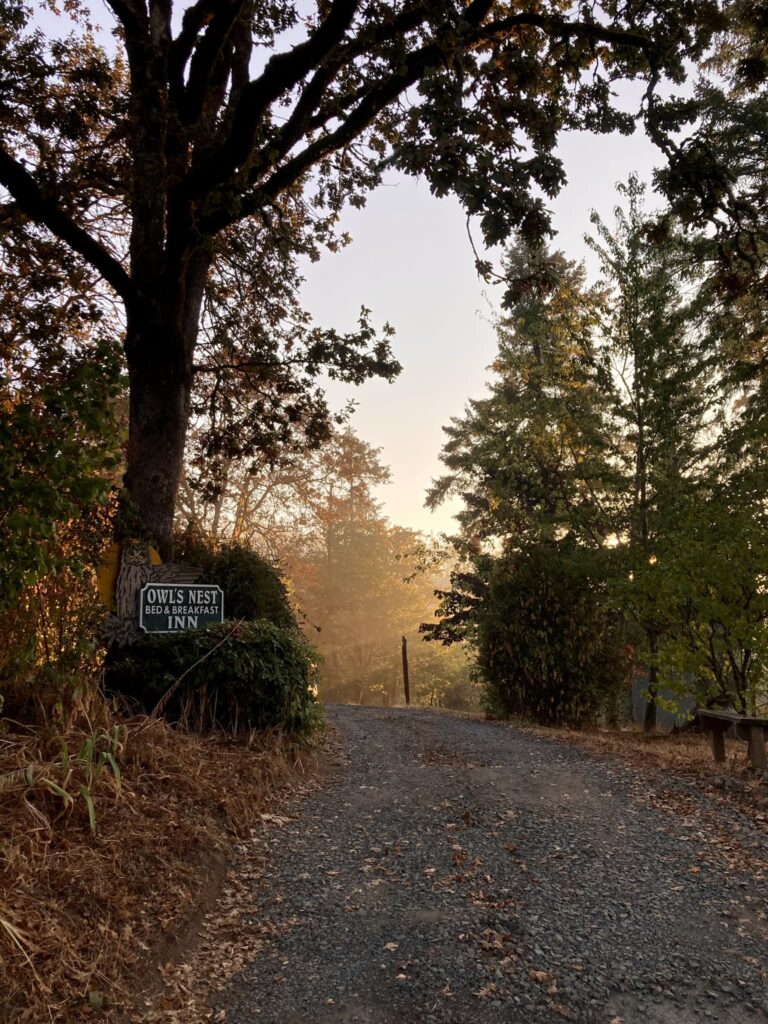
(282, 73)
(206, 54)
(360, 118)
(301, 119)
(371, 104)
(42, 210)
(132, 14)
(195, 18)
(567, 29)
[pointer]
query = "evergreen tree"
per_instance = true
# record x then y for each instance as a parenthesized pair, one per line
(660, 395)
(528, 460)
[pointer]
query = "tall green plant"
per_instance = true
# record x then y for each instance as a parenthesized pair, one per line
(530, 462)
(253, 587)
(713, 584)
(548, 645)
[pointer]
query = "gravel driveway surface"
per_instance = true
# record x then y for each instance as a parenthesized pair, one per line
(457, 871)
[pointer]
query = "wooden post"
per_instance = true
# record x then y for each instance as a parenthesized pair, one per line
(406, 679)
(718, 743)
(757, 747)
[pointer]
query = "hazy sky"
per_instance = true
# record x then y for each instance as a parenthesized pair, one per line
(411, 263)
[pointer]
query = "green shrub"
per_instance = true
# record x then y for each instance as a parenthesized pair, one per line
(549, 648)
(253, 588)
(233, 676)
(59, 445)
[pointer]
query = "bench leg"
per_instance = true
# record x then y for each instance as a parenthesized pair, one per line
(717, 739)
(757, 747)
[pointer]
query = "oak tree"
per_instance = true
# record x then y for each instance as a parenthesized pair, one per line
(210, 117)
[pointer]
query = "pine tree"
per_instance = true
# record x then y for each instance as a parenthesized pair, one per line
(530, 463)
(528, 459)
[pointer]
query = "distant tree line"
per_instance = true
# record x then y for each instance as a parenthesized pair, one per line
(358, 582)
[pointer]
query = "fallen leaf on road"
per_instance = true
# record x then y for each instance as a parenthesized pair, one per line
(492, 939)
(485, 992)
(561, 1011)
(542, 977)
(391, 946)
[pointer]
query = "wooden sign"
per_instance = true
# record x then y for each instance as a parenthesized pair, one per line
(133, 566)
(176, 607)
(106, 578)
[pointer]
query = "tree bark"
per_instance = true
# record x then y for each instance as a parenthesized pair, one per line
(159, 413)
(649, 724)
(160, 343)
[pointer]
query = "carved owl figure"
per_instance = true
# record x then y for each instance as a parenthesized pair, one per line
(136, 569)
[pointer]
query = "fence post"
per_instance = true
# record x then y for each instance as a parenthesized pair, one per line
(406, 679)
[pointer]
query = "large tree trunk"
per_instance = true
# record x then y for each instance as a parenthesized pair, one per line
(159, 414)
(160, 345)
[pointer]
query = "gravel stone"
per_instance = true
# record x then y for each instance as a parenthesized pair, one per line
(456, 871)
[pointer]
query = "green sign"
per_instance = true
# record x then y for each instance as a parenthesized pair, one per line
(174, 607)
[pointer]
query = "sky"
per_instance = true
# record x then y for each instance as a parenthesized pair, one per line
(411, 263)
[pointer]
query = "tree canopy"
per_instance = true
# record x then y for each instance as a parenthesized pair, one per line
(161, 161)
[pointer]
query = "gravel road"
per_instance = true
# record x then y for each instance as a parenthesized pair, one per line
(457, 871)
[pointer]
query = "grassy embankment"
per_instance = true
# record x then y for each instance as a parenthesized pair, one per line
(115, 835)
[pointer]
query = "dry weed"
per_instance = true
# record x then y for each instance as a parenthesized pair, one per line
(683, 753)
(108, 830)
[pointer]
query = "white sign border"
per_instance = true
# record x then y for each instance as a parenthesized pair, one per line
(153, 632)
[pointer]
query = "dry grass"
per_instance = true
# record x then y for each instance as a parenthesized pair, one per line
(109, 832)
(682, 753)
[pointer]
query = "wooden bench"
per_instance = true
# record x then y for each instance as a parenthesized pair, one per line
(752, 730)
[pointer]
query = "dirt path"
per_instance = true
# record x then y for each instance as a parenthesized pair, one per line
(456, 872)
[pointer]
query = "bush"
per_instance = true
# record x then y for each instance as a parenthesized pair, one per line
(549, 648)
(59, 446)
(50, 652)
(253, 588)
(233, 676)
